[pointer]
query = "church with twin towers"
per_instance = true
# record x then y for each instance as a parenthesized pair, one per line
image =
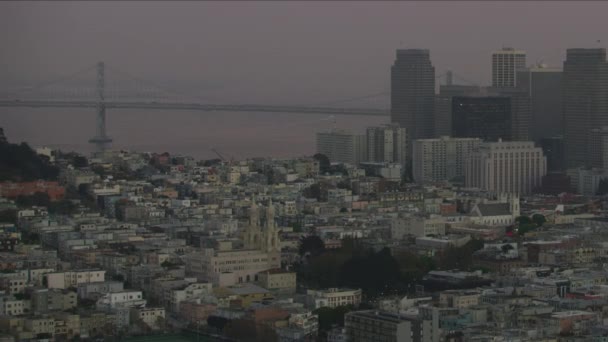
(225, 265)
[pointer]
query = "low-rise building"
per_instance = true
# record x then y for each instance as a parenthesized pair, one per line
(333, 297)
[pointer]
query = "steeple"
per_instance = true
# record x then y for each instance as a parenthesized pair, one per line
(254, 214)
(270, 215)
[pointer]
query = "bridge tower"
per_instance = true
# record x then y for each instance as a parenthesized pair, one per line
(101, 140)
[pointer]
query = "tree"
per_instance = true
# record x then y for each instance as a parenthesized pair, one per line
(539, 219)
(311, 244)
(80, 161)
(324, 163)
(313, 191)
(18, 162)
(329, 317)
(39, 199)
(217, 322)
(523, 220)
(8, 216)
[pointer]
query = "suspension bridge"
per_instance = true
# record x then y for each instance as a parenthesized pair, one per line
(150, 96)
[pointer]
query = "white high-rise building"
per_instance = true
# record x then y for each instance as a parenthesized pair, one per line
(505, 63)
(387, 144)
(342, 146)
(513, 167)
(441, 159)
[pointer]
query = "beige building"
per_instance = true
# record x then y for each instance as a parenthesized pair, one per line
(513, 167)
(63, 280)
(226, 266)
(458, 299)
(278, 279)
(40, 325)
(442, 159)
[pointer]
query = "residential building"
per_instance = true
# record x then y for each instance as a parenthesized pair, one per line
(151, 317)
(387, 144)
(278, 280)
(413, 93)
(505, 63)
(380, 326)
(342, 146)
(441, 159)
(585, 100)
(63, 280)
(515, 167)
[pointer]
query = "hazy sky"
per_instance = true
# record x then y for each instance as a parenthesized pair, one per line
(283, 51)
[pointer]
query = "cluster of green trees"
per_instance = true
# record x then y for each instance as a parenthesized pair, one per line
(377, 273)
(41, 199)
(19, 163)
(527, 224)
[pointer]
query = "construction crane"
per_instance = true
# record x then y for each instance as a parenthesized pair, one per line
(219, 154)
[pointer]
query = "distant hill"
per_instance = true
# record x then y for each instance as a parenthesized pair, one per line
(19, 163)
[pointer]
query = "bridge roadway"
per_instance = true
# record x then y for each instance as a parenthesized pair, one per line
(196, 106)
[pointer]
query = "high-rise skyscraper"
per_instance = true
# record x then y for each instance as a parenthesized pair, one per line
(505, 63)
(553, 148)
(413, 93)
(544, 87)
(486, 117)
(585, 100)
(443, 106)
(515, 167)
(597, 152)
(387, 144)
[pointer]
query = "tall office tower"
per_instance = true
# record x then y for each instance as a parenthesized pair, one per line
(443, 106)
(488, 118)
(585, 100)
(544, 87)
(413, 93)
(505, 63)
(387, 144)
(553, 148)
(597, 153)
(441, 159)
(515, 167)
(503, 116)
(342, 146)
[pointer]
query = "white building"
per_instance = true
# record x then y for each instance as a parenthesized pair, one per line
(342, 146)
(333, 297)
(505, 63)
(515, 167)
(441, 159)
(387, 144)
(188, 292)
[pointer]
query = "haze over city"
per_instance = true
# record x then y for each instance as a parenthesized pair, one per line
(262, 52)
(304, 171)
